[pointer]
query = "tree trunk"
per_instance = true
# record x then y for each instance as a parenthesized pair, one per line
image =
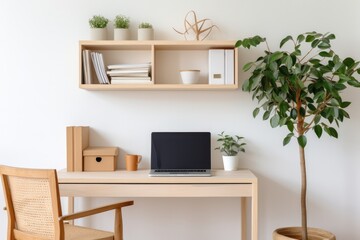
(303, 194)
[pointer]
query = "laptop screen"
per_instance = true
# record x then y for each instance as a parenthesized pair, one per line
(180, 150)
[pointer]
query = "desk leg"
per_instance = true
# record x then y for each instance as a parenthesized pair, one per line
(243, 218)
(254, 212)
(71, 207)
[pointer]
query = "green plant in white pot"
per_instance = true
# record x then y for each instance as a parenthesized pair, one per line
(301, 89)
(121, 28)
(230, 146)
(145, 31)
(98, 26)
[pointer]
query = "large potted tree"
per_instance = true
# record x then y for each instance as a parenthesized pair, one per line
(301, 89)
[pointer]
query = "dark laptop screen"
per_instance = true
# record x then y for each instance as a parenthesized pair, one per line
(180, 150)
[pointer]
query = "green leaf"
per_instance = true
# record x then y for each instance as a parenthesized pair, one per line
(285, 40)
(315, 43)
(318, 130)
(282, 121)
(238, 43)
(339, 86)
(287, 139)
(246, 86)
(300, 38)
(348, 62)
(309, 38)
(266, 115)
(275, 56)
(354, 83)
(284, 107)
(288, 62)
(317, 119)
(333, 132)
(247, 66)
(274, 121)
(293, 113)
(311, 107)
(302, 140)
(345, 104)
(324, 45)
(302, 111)
(331, 37)
(256, 112)
(290, 126)
(334, 102)
(314, 61)
(324, 54)
(255, 80)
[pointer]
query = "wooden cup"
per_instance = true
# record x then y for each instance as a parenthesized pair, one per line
(132, 161)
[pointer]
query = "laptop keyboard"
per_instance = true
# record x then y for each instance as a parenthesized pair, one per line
(180, 170)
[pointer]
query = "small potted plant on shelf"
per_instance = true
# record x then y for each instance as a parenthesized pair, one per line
(145, 31)
(98, 29)
(121, 30)
(230, 147)
(301, 89)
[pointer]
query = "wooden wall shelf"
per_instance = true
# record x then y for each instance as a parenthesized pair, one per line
(167, 58)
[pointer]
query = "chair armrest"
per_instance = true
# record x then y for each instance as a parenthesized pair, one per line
(93, 211)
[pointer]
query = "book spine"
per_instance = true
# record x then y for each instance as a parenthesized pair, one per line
(70, 148)
(85, 79)
(88, 64)
(96, 67)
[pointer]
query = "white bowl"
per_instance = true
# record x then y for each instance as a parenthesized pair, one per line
(190, 76)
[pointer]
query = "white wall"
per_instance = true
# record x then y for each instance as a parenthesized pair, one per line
(39, 96)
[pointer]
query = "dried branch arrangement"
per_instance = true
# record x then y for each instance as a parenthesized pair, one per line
(197, 27)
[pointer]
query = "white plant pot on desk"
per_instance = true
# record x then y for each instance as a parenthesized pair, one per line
(231, 163)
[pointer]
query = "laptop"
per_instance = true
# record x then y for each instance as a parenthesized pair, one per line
(184, 154)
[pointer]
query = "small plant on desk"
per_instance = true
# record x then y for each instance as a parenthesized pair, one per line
(230, 147)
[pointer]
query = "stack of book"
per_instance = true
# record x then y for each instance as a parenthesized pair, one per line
(130, 73)
(97, 64)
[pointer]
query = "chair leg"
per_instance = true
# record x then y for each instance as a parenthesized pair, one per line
(118, 225)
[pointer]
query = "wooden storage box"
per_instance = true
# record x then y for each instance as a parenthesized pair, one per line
(97, 159)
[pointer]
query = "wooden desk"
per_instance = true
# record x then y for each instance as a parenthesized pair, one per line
(242, 184)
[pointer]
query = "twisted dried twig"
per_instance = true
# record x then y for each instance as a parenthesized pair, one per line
(196, 27)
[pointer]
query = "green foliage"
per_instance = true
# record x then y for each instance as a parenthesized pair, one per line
(230, 145)
(145, 25)
(121, 22)
(301, 88)
(98, 21)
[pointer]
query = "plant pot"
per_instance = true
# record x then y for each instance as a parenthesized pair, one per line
(291, 233)
(98, 33)
(121, 34)
(231, 163)
(145, 34)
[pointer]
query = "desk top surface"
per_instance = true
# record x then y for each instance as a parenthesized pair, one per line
(142, 176)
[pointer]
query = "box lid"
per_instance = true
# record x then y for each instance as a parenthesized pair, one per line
(101, 151)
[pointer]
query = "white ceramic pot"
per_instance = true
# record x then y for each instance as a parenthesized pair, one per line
(190, 76)
(231, 163)
(98, 33)
(121, 34)
(145, 34)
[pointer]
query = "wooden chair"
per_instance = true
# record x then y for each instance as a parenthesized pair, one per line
(34, 211)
